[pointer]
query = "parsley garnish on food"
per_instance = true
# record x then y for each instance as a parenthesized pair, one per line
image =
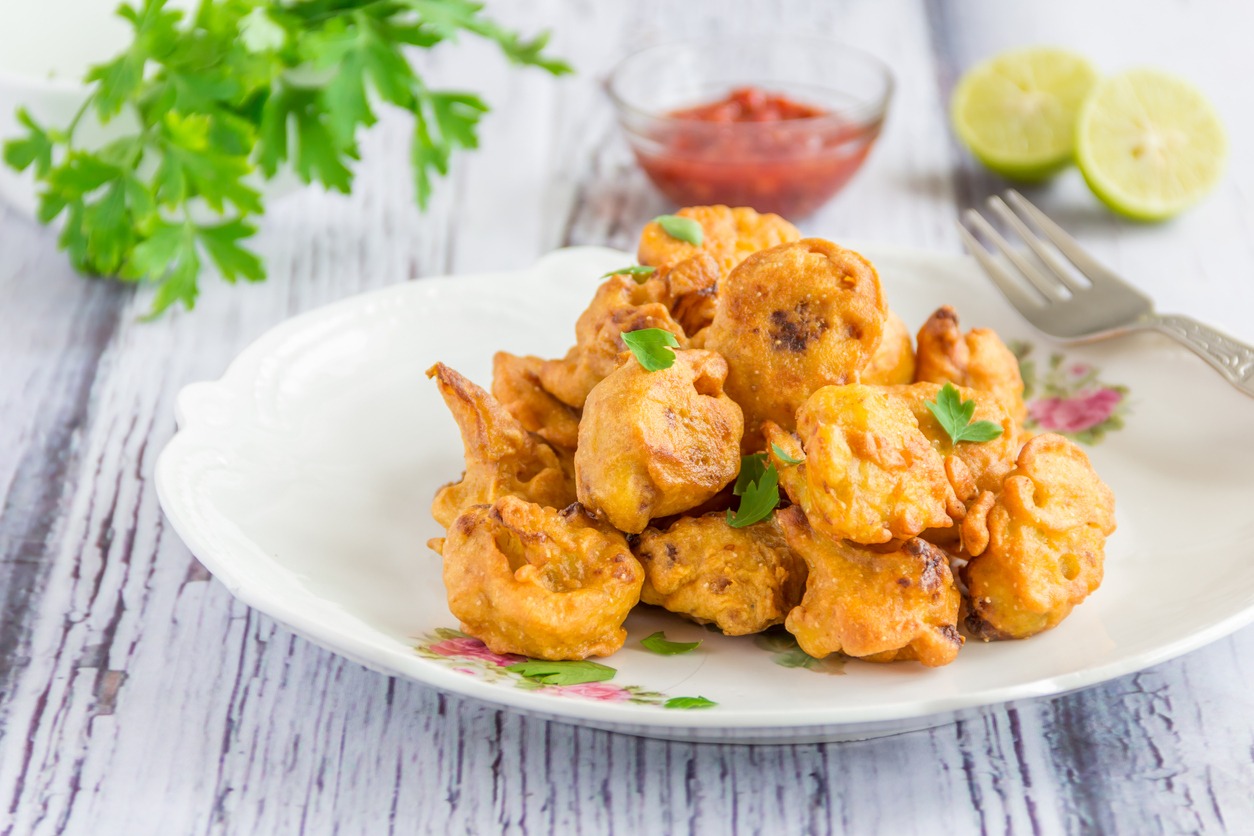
(681, 228)
(562, 673)
(659, 644)
(640, 272)
(689, 702)
(241, 87)
(758, 489)
(650, 346)
(751, 469)
(954, 414)
(784, 457)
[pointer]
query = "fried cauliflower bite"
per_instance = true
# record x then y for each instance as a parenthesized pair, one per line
(1037, 548)
(791, 320)
(972, 467)
(878, 605)
(516, 384)
(729, 236)
(653, 444)
(742, 580)
(539, 582)
(869, 474)
(620, 304)
(893, 362)
(502, 458)
(979, 360)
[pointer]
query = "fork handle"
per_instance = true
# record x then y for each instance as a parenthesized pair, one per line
(1231, 358)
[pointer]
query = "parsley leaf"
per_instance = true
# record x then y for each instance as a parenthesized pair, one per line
(784, 457)
(659, 644)
(954, 415)
(640, 272)
(689, 702)
(650, 347)
(236, 88)
(759, 497)
(681, 228)
(751, 469)
(562, 673)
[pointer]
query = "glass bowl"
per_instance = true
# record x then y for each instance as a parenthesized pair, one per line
(788, 166)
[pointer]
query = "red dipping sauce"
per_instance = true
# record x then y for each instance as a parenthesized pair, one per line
(754, 148)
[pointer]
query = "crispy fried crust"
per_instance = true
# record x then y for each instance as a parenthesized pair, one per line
(539, 582)
(869, 474)
(657, 443)
(880, 605)
(893, 362)
(620, 304)
(979, 360)
(742, 580)
(502, 458)
(730, 236)
(1037, 548)
(972, 466)
(791, 320)
(516, 385)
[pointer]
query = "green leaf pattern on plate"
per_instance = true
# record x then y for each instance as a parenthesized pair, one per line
(1069, 397)
(467, 655)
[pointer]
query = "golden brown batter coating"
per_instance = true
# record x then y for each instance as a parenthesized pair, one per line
(516, 384)
(1037, 549)
(881, 605)
(742, 580)
(979, 360)
(869, 475)
(893, 362)
(657, 443)
(539, 582)
(502, 458)
(791, 320)
(729, 236)
(620, 304)
(972, 466)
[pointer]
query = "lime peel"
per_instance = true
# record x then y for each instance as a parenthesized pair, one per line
(1149, 144)
(1016, 112)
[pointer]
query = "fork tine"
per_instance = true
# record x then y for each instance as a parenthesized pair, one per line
(1050, 289)
(1035, 244)
(1010, 288)
(1092, 269)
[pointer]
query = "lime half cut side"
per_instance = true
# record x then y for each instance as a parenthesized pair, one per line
(1149, 144)
(1017, 111)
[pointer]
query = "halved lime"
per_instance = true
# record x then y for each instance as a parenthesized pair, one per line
(1017, 111)
(1149, 144)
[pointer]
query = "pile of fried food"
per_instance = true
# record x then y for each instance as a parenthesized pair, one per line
(593, 484)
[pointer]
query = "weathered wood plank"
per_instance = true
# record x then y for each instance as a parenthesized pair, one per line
(138, 697)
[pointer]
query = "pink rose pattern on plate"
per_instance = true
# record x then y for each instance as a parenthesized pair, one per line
(1070, 398)
(468, 655)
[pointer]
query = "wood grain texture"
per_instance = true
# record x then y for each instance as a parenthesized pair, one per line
(136, 696)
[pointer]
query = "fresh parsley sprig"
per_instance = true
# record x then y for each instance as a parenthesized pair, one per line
(783, 456)
(757, 485)
(652, 347)
(662, 646)
(682, 229)
(689, 702)
(640, 272)
(236, 89)
(954, 415)
(562, 673)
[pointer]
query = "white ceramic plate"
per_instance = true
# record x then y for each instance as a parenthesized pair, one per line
(303, 477)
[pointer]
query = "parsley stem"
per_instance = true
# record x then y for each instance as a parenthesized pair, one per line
(78, 117)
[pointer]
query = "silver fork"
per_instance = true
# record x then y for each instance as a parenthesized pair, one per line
(1060, 305)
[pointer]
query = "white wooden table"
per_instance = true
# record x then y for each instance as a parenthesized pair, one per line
(136, 696)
